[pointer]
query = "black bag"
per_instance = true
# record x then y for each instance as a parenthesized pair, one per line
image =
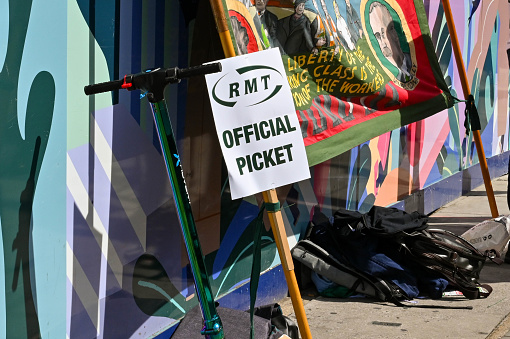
(367, 253)
(404, 262)
(449, 255)
(439, 251)
(319, 253)
(320, 261)
(378, 221)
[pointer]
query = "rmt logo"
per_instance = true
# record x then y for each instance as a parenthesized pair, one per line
(248, 86)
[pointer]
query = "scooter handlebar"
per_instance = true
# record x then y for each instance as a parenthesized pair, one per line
(172, 74)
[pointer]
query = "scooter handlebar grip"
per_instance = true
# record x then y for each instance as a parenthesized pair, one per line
(199, 70)
(103, 87)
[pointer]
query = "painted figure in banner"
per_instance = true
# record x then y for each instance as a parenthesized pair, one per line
(388, 39)
(246, 3)
(319, 35)
(335, 40)
(353, 22)
(240, 34)
(321, 31)
(294, 31)
(266, 24)
(342, 29)
(243, 28)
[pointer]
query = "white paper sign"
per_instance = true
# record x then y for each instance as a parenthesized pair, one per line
(257, 124)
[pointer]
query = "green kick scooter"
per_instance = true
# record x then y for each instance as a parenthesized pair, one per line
(153, 82)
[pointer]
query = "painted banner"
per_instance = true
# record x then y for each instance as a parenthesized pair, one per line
(256, 125)
(356, 68)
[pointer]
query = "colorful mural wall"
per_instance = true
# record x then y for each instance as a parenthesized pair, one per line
(91, 242)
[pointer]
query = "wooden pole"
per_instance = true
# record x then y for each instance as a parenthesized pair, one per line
(280, 236)
(275, 218)
(467, 91)
(222, 27)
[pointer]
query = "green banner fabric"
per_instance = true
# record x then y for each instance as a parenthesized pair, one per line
(357, 69)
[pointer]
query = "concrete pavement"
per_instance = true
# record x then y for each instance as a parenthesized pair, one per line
(366, 318)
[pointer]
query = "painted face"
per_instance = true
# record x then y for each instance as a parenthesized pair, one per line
(240, 34)
(260, 5)
(386, 35)
(300, 9)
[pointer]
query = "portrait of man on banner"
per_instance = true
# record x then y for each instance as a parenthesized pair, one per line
(390, 43)
(242, 28)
